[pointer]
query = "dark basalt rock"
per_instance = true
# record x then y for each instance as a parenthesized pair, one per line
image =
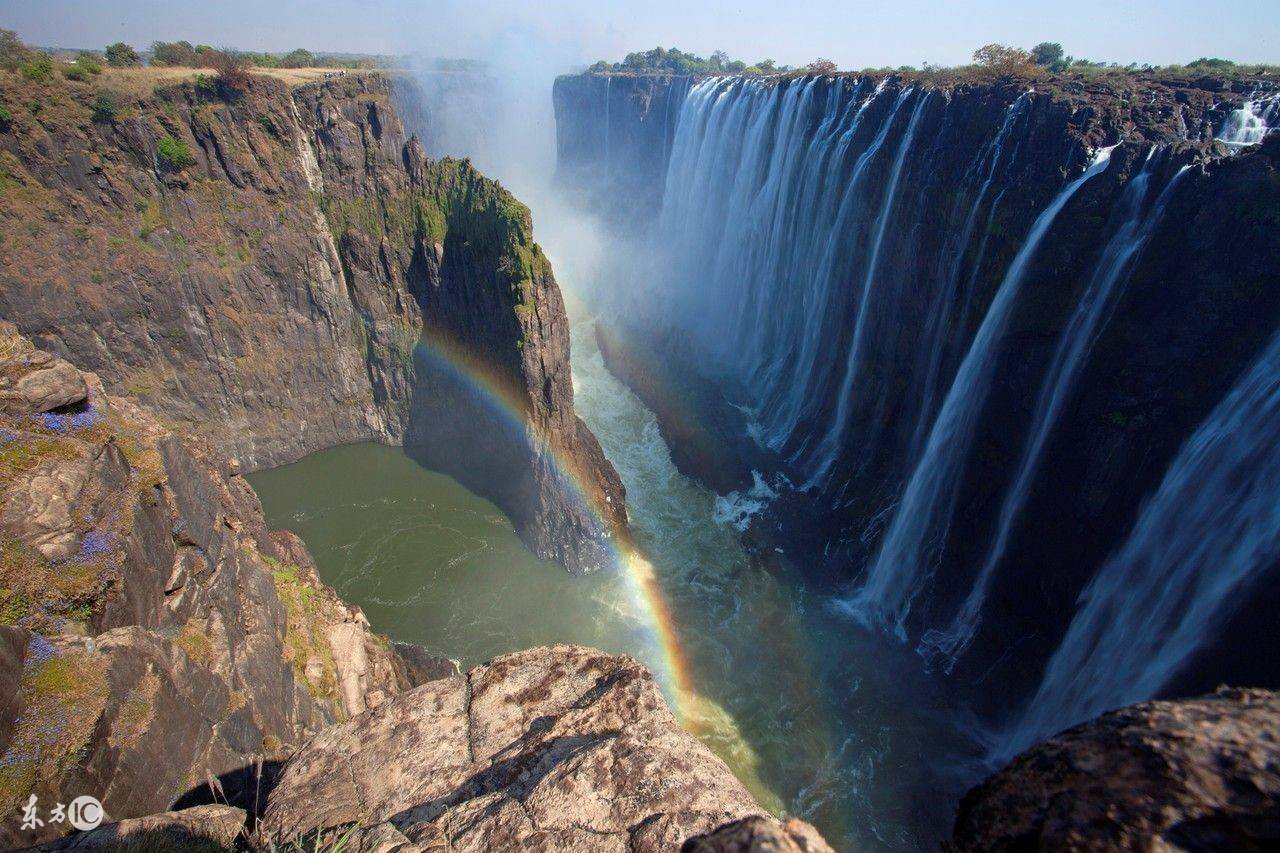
(1194, 774)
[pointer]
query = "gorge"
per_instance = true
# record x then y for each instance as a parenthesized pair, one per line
(886, 424)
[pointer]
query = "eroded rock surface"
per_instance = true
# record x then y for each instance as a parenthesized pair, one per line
(1193, 774)
(759, 835)
(157, 641)
(554, 748)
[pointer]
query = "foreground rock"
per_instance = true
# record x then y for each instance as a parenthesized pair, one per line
(753, 834)
(1195, 774)
(158, 644)
(554, 748)
(206, 828)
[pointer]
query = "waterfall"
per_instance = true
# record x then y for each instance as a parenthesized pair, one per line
(907, 552)
(1211, 528)
(986, 165)
(1137, 220)
(771, 193)
(829, 448)
(1250, 124)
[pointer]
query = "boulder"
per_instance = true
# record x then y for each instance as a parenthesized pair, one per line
(759, 835)
(210, 827)
(1193, 774)
(554, 748)
(34, 382)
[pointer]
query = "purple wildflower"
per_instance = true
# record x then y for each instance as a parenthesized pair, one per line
(39, 650)
(53, 421)
(93, 545)
(7, 434)
(83, 420)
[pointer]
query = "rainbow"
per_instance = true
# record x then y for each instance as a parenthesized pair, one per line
(498, 394)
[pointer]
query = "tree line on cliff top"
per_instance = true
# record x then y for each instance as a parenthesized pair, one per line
(999, 59)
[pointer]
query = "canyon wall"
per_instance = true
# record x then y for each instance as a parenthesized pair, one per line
(972, 324)
(282, 270)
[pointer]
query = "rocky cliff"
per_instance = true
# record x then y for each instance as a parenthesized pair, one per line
(161, 649)
(970, 364)
(283, 270)
(157, 638)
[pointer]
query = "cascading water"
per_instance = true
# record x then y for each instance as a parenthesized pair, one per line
(829, 448)
(1250, 124)
(1211, 529)
(906, 554)
(1136, 221)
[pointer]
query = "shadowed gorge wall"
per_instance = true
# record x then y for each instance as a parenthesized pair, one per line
(262, 267)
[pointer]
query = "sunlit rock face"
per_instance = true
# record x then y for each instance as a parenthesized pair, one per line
(554, 748)
(305, 277)
(970, 326)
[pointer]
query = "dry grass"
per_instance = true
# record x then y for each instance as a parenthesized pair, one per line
(140, 82)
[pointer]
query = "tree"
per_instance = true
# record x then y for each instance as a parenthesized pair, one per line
(177, 53)
(1004, 60)
(232, 68)
(299, 58)
(1047, 54)
(121, 55)
(13, 53)
(822, 66)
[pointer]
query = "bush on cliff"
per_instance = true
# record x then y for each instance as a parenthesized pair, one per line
(173, 154)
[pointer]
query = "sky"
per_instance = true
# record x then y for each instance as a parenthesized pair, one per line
(855, 33)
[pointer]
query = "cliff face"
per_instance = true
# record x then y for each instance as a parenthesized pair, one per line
(157, 638)
(957, 414)
(613, 138)
(262, 267)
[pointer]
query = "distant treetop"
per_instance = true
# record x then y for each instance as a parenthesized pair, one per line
(676, 61)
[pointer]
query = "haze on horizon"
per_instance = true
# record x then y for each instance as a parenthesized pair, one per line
(855, 33)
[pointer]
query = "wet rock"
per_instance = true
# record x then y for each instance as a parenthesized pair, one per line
(1190, 774)
(554, 748)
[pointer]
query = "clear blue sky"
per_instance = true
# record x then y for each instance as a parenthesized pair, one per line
(856, 33)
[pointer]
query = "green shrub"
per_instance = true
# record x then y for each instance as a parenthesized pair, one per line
(6, 117)
(90, 62)
(39, 67)
(174, 154)
(75, 72)
(121, 55)
(106, 107)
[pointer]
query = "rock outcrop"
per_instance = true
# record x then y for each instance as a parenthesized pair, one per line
(1193, 774)
(554, 748)
(282, 270)
(157, 641)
